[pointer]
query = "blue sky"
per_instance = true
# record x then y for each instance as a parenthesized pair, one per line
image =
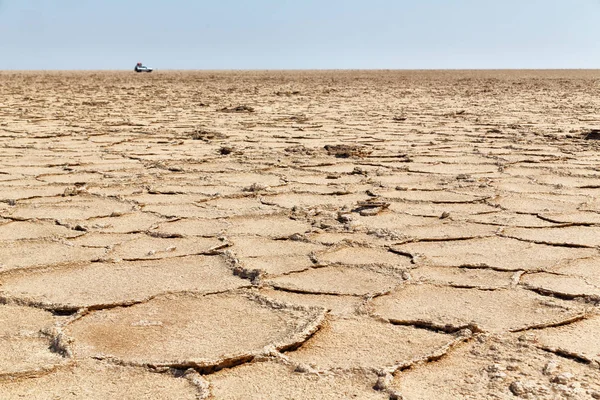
(299, 34)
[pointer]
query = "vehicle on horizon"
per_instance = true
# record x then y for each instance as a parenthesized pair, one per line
(139, 67)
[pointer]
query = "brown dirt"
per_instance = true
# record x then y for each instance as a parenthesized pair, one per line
(300, 235)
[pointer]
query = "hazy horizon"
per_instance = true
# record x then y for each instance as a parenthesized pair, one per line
(312, 35)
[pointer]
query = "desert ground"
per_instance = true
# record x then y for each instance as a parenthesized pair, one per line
(300, 235)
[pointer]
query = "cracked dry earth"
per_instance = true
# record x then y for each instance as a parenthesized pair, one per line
(300, 235)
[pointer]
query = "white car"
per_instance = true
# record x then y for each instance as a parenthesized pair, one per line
(142, 68)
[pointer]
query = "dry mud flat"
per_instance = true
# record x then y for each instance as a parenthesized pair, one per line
(301, 235)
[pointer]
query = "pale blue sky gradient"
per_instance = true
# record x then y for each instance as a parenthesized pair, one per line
(299, 34)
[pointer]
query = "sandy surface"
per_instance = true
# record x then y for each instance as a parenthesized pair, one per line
(300, 235)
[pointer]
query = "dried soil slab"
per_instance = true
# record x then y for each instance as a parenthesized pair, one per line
(150, 248)
(496, 252)
(510, 219)
(247, 206)
(16, 193)
(337, 168)
(260, 247)
(397, 222)
(346, 343)
(274, 226)
(194, 227)
(277, 265)
(463, 277)
(576, 236)
(365, 256)
(334, 304)
(410, 181)
(587, 269)
(436, 210)
(450, 230)
(103, 284)
(25, 321)
(338, 280)
(176, 210)
(579, 339)
(247, 179)
(567, 181)
(534, 204)
(453, 169)
(292, 200)
(521, 185)
(127, 223)
(20, 355)
(73, 177)
(354, 238)
(562, 286)
(20, 230)
(498, 368)
(93, 380)
(270, 380)
(25, 254)
(430, 196)
(207, 332)
(581, 217)
(493, 311)
(322, 179)
(69, 208)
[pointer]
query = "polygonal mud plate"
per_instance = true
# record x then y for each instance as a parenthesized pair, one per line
(500, 368)
(275, 226)
(126, 223)
(261, 247)
(24, 321)
(220, 208)
(359, 342)
(247, 206)
(103, 240)
(453, 169)
(277, 265)
(338, 280)
(579, 340)
(335, 304)
(463, 277)
(110, 284)
(535, 203)
(573, 217)
(246, 179)
(309, 200)
(357, 255)
(390, 220)
(451, 308)
(94, 380)
(207, 332)
(504, 218)
(439, 230)
(25, 254)
(151, 248)
(194, 227)
(495, 252)
(271, 380)
(456, 210)
(430, 196)
(576, 236)
(28, 192)
(20, 230)
(69, 208)
(563, 286)
(22, 355)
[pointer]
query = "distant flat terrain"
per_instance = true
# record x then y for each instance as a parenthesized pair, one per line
(300, 234)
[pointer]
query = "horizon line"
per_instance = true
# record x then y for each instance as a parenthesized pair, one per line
(299, 69)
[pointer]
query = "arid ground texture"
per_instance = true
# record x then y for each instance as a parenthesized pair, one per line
(300, 235)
